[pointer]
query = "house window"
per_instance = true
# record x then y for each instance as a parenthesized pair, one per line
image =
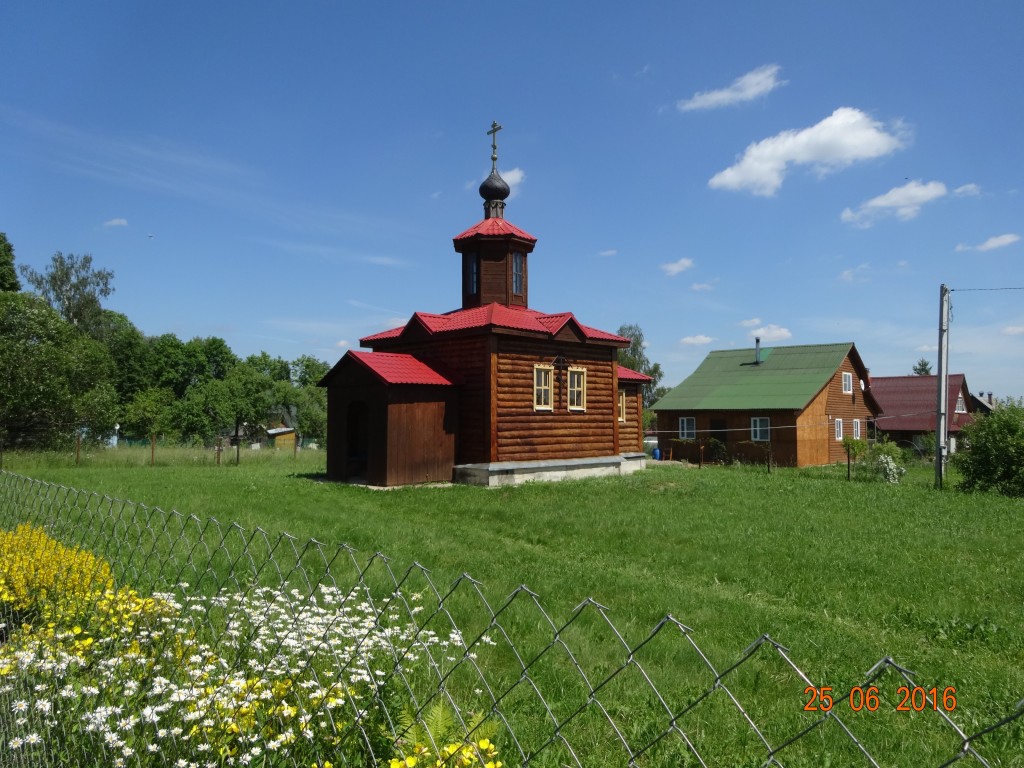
(847, 383)
(961, 405)
(518, 272)
(839, 429)
(622, 405)
(542, 387)
(760, 429)
(687, 428)
(577, 389)
(856, 429)
(472, 267)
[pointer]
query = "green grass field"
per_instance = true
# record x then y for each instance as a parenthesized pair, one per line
(841, 573)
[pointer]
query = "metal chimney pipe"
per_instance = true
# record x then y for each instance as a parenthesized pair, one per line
(757, 350)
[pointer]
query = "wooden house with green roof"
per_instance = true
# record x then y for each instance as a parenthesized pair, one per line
(790, 405)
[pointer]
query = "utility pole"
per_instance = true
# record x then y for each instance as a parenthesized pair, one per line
(941, 437)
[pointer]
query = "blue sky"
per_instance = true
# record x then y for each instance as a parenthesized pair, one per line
(288, 176)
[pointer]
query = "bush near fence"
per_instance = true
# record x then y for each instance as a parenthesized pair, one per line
(134, 636)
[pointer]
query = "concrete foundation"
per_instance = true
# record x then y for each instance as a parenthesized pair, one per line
(501, 473)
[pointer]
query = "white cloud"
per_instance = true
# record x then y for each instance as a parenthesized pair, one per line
(750, 323)
(341, 343)
(905, 202)
(676, 267)
(999, 241)
(967, 190)
(927, 348)
(701, 287)
(514, 177)
(116, 223)
(696, 340)
(1014, 330)
(841, 139)
(856, 275)
(608, 252)
(758, 82)
(771, 332)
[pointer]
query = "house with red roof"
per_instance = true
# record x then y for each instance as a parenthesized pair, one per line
(910, 407)
(493, 392)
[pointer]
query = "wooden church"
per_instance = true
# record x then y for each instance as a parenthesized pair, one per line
(491, 393)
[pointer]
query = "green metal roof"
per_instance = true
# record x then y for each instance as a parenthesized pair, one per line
(729, 380)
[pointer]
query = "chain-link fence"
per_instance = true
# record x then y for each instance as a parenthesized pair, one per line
(134, 636)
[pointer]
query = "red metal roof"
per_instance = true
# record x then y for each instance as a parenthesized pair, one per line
(495, 228)
(910, 403)
(496, 315)
(394, 368)
(628, 374)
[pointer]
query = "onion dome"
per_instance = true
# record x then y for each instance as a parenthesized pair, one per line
(494, 187)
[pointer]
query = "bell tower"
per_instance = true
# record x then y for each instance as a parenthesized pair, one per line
(494, 252)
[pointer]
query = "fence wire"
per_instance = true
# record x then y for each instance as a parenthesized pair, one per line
(187, 642)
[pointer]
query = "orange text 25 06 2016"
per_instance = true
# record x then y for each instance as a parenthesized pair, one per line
(911, 698)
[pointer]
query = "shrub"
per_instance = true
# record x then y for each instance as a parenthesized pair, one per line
(884, 461)
(993, 458)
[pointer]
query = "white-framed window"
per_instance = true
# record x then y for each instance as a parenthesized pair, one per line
(847, 383)
(518, 272)
(577, 389)
(760, 429)
(856, 429)
(622, 405)
(687, 428)
(542, 375)
(961, 405)
(839, 429)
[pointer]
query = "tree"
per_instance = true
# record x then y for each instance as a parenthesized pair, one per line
(8, 276)
(635, 357)
(129, 351)
(274, 368)
(993, 459)
(180, 365)
(149, 412)
(72, 287)
(53, 379)
(306, 371)
(922, 368)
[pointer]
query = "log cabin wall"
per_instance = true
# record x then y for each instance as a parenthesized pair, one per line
(733, 430)
(469, 355)
(496, 278)
(421, 424)
(813, 429)
(523, 433)
(631, 433)
(357, 428)
(846, 406)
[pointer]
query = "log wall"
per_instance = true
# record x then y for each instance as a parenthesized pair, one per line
(631, 433)
(523, 434)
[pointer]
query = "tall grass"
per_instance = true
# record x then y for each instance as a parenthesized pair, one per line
(842, 573)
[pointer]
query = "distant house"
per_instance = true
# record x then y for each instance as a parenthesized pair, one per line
(910, 408)
(281, 437)
(790, 405)
(493, 392)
